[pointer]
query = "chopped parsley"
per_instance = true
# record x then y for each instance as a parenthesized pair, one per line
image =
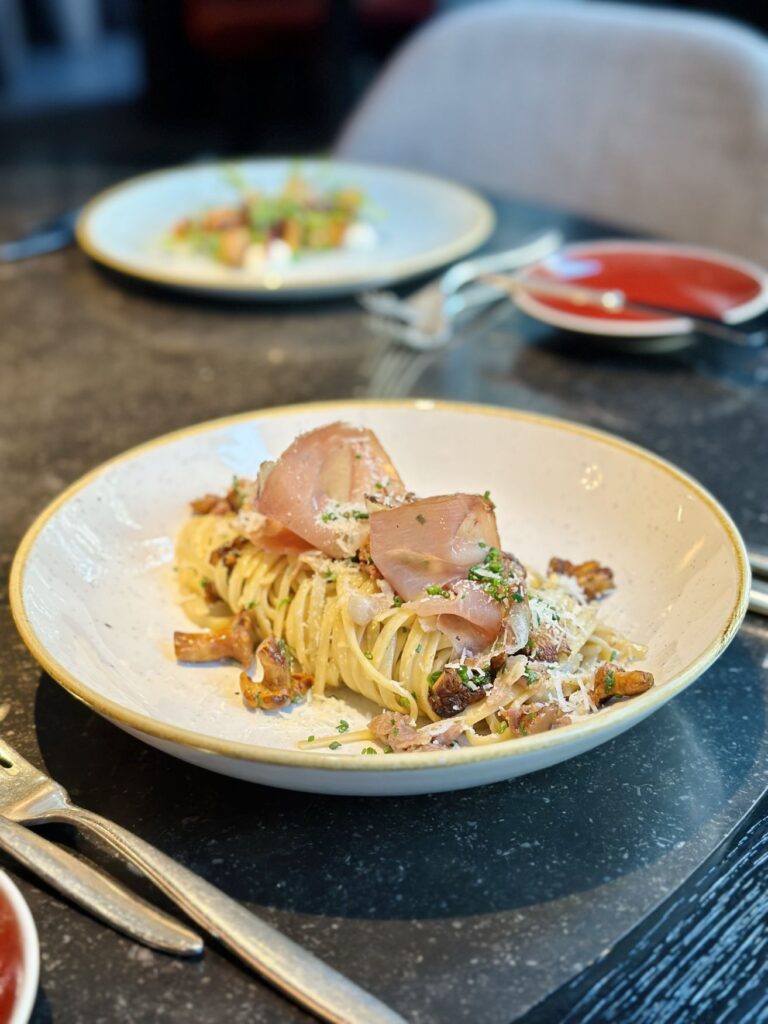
(343, 726)
(369, 750)
(492, 574)
(310, 739)
(285, 648)
(473, 678)
(237, 491)
(435, 590)
(334, 745)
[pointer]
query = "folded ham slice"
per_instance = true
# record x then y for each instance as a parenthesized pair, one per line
(317, 487)
(272, 536)
(432, 542)
(470, 617)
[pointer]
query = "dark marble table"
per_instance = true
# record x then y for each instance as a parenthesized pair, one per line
(466, 907)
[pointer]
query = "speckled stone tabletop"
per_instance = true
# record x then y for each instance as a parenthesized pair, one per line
(465, 907)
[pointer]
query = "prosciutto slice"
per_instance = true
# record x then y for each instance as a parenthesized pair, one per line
(470, 617)
(432, 542)
(317, 487)
(272, 536)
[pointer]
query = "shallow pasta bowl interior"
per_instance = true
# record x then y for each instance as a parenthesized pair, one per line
(94, 596)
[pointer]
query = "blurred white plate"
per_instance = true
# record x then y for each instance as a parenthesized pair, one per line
(422, 222)
(19, 955)
(94, 596)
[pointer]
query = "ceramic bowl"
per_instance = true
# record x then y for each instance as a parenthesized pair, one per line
(93, 590)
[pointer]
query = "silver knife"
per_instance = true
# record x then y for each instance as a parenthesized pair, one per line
(98, 893)
(56, 233)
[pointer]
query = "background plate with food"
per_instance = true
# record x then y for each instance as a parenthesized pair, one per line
(281, 228)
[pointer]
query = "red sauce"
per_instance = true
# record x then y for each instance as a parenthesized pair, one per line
(10, 959)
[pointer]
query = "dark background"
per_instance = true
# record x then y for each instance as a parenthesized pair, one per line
(148, 82)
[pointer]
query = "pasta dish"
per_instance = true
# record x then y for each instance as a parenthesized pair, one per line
(325, 572)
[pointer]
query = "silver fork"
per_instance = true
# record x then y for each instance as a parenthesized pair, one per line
(28, 795)
(101, 895)
(431, 310)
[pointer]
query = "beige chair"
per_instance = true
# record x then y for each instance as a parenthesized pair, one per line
(643, 117)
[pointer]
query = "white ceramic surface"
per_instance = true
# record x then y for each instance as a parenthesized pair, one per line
(580, 254)
(25, 995)
(93, 592)
(421, 221)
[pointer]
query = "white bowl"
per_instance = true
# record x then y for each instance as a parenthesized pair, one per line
(92, 587)
(30, 952)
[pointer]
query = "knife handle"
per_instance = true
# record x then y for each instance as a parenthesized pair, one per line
(282, 962)
(95, 891)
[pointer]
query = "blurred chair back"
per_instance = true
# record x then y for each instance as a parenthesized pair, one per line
(647, 118)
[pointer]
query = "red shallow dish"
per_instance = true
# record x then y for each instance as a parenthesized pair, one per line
(19, 955)
(700, 280)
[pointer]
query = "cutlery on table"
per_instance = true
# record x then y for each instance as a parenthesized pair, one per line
(614, 300)
(28, 795)
(423, 328)
(95, 891)
(56, 233)
(435, 305)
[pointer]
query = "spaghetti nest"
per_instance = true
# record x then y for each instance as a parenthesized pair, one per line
(344, 625)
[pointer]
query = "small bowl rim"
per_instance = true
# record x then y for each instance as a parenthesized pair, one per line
(27, 993)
